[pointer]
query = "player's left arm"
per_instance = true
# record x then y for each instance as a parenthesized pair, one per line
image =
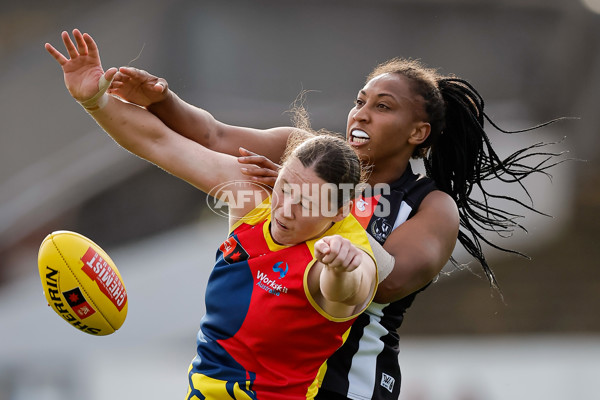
(421, 247)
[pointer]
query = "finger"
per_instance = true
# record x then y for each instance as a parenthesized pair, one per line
(342, 258)
(159, 87)
(322, 245)
(259, 172)
(354, 262)
(329, 258)
(335, 244)
(69, 45)
(256, 159)
(247, 159)
(117, 79)
(110, 73)
(81, 46)
(129, 71)
(62, 60)
(114, 85)
(91, 46)
(261, 161)
(339, 248)
(245, 152)
(266, 181)
(122, 78)
(255, 156)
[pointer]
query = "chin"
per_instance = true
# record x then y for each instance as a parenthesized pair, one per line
(281, 239)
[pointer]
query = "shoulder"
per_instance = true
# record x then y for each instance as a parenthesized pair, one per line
(438, 208)
(437, 198)
(436, 219)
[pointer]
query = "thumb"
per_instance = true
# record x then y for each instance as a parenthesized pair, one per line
(110, 73)
(160, 86)
(322, 249)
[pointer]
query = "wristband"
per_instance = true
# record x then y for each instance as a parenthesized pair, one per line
(385, 261)
(99, 100)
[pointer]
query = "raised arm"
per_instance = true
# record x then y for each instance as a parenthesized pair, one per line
(136, 129)
(140, 87)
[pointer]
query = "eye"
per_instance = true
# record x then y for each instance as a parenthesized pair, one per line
(306, 204)
(382, 106)
(359, 102)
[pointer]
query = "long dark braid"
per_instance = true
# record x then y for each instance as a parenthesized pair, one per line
(463, 158)
(459, 156)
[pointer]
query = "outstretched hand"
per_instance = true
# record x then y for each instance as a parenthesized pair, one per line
(338, 253)
(138, 86)
(83, 70)
(260, 168)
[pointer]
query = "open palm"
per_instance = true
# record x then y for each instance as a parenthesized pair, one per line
(83, 70)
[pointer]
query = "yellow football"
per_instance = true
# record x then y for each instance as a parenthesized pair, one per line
(81, 283)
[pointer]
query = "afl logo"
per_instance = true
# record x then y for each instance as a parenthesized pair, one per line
(236, 194)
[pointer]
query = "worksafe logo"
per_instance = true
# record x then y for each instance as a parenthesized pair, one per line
(282, 268)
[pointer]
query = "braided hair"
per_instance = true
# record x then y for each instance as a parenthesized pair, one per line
(459, 156)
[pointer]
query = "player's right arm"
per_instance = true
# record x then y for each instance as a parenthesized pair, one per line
(146, 90)
(139, 131)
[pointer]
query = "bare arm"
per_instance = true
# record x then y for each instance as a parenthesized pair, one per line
(136, 129)
(421, 247)
(144, 89)
(343, 279)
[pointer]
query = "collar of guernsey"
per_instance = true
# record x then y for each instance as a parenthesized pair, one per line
(349, 228)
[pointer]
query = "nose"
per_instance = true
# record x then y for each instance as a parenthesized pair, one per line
(360, 114)
(287, 204)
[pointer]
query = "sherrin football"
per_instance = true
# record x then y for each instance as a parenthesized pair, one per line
(81, 283)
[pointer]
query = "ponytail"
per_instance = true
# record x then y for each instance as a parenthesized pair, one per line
(462, 158)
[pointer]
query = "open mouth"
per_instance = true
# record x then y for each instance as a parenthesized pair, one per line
(359, 137)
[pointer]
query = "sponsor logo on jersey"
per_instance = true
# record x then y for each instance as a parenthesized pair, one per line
(282, 271)
(78, 303)
(387, 382)
(271, 285)
(233, 251)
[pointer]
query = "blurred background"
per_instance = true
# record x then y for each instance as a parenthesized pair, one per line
(245, 62)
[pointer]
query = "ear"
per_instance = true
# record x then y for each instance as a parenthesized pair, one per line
(343, 211)
(420, 133)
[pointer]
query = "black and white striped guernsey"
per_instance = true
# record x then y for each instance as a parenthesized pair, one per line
(366, 366)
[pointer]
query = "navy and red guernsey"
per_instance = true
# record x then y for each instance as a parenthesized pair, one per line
(263, 336)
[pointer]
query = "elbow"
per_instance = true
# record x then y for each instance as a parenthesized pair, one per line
(400, 283)
(389, 291)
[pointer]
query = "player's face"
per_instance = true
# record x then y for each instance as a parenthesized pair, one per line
(301, 208)
(385, 113)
